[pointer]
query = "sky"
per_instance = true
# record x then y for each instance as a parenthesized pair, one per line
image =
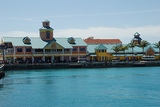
(102, 19)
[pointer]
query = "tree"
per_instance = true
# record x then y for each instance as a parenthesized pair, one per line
(132, 44)
(157, 45)
(124, 48)
(116, 49)
(143, 45)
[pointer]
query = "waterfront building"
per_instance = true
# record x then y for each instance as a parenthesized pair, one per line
(99, 49)
(106, 52)
(46, 48)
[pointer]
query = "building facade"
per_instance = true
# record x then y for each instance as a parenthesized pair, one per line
(50, 49)
(102, 49)
(45, 48)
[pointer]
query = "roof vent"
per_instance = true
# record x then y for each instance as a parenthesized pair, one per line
(26, 40)
(71, 40)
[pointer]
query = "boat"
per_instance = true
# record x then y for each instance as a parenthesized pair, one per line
(2, 74)
(148, 58)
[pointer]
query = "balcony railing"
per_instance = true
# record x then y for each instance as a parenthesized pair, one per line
(9, 51)
(53, 52)
(37, 52)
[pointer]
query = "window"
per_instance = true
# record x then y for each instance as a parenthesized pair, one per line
(19, 49)
(48, 34)
(82, 49)
(102, 50)
(74, 50)
(48, 50)
(53, 50)
(38, 50)
(28, 49)
(46, 24)
(59, 50)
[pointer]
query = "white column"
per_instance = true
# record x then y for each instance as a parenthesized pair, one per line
(24, 50)
(43, 58)
(14, 59)
(52, 58)
(69, 58)
(62, 58)
(24, 58)
(43, 51)
(24, 53)
(32, 59)
(14, 51)
(78, 53)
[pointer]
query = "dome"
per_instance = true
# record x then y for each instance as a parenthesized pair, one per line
(136, 34)
(46, 21)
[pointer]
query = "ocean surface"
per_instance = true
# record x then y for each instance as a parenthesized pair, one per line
(95, 87)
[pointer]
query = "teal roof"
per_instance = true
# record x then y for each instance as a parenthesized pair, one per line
(101, 46)
(46, 28)
(136, 34)
(70, 38)
(91, 49)
(46, 21)
(64, 42)
(136, 38)
(37, 42)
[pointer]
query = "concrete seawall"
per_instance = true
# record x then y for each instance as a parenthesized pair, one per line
(76, 65)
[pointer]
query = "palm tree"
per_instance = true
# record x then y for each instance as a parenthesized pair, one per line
(157, 45)
(132, 45)
(144, 44)
(116, 49)
(124, 48)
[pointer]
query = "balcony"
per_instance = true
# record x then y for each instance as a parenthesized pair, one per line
(9, 51)
(51, 51)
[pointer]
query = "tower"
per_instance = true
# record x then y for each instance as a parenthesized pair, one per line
(137, 38)
(46, 32)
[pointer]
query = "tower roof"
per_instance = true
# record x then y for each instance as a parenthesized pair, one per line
(100, 46)
(46, 21)
(46, 28)
(136, 34)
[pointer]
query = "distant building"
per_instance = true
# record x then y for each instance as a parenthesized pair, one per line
(137, 38)
(101, 49)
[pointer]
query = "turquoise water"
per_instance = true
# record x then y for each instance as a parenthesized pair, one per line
(100, 87)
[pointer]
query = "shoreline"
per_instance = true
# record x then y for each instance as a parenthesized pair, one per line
(31, 66)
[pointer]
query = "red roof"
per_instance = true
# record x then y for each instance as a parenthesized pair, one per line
(102, 41)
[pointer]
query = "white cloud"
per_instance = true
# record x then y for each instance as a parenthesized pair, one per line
(19, 34)
(149, 33)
